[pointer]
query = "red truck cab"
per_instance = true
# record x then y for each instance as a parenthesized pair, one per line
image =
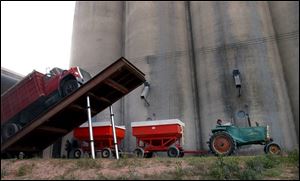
(34, 94)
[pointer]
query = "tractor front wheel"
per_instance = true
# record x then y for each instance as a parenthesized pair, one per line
(272, 148)
(221, 143)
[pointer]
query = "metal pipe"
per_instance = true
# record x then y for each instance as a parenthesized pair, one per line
(114, 132)
(90, 127)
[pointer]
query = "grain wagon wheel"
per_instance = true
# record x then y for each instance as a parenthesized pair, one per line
(173, 151)
(69, 86)
(273, 148)
(221, 143)
(78, 153)
(139, 152)
(106, 153)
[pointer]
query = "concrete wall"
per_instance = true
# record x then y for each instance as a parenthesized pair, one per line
(285, 17)
(188, 51)
(97, 42)
(240, 35)
(156, 41)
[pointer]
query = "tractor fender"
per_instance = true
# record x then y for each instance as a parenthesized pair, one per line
(218, 129)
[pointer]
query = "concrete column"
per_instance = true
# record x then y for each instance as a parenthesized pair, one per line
(240, 35)
(156, 41)
(97, 42)
(285, 17)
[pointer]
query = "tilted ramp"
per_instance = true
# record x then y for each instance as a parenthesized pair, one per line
(104, 89)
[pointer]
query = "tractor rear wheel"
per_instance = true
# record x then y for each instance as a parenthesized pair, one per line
(221, 143)
(272, 148)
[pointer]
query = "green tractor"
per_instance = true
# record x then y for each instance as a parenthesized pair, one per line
(226, 138)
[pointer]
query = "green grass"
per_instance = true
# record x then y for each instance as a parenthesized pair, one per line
(186, 168)
(3, 172)
(87, 163)
(25, 169)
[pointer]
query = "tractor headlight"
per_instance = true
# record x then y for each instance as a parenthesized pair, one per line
(268, 132)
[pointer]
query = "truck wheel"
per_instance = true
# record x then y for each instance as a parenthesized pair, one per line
(139, 152)
(106, 153)
(69, 86)
(9, 130)
(173, 151)
(221, 143)
(272, 148)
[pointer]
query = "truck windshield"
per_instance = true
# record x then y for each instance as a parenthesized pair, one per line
(56, 71)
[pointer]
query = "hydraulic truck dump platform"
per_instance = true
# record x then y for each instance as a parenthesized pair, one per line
(104, 89)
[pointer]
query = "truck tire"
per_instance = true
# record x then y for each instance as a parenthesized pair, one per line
(173, 151)
(69, 86)
(221, 143)
(9, 130)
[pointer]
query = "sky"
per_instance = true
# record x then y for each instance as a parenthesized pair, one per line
(36, 35)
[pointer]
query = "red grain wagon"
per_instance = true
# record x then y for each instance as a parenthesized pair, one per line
(159, 135)
(103, 139)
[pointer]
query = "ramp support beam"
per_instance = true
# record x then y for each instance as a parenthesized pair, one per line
(90, 127)
(114, 131)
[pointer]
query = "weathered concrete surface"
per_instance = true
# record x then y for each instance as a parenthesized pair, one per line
(97, 42)
(229, 35)
(171, 42)
(156, 41)
(285, 17)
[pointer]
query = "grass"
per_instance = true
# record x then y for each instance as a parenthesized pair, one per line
(3, 172)
(25, 169)
(189, 167)
(87, 163)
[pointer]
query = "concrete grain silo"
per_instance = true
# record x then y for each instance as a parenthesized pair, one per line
(285, 17)
(97, 42)
(189, 52)
(240, 35)
(156, 41)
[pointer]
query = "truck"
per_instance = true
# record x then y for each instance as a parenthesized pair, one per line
(102, 90)
(36, 93)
